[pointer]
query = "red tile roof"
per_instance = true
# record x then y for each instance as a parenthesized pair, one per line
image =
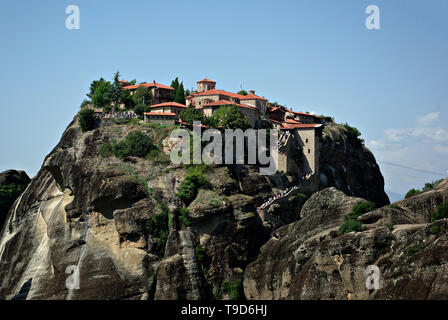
(149, 85)
(206, 80)
(252, 97)
(160, 114)
(306, 114)
(169, 104)
(295, 125)
(227, 103)
(275, 109)
(220, 92)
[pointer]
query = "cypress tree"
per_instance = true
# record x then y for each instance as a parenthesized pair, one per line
(174, 85)
(180, 94)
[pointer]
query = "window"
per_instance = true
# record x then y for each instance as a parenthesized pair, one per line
(306, 140)
(309, 150)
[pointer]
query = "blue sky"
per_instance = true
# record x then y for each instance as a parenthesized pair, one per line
(310, 55)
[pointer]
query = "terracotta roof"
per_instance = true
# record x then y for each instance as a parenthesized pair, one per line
(275, 109)
(227, 103)
(206, 80)
(306, 114)
(149, 85)
(300, 125)
(160, 114)
(168, 104)
(295, 125)
(221, 92)
(252, 96)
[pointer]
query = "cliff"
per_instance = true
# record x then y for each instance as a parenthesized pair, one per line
(94, 213)
(309, 259)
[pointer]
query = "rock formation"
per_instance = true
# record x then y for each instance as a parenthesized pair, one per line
(309, 259)
(90, 213)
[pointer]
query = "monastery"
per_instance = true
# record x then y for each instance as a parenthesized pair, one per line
(299, 132)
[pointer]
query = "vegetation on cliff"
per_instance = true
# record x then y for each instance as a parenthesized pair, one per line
(351, 222)
(428, 186)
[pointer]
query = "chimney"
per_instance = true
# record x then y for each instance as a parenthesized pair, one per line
(252, 92)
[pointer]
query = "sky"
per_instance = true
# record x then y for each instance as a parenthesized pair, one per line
(316, 56)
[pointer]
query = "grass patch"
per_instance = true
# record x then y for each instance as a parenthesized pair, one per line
(441, 212)
(437, 230)
(411, 250)
(351, 222)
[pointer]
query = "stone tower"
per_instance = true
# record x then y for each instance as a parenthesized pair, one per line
(205, 85)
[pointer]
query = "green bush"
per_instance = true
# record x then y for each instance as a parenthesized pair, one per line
(106, 150)
(351, 225)
(86, 119)
(193, 180)
(411, 250)
(412, 193)
(353, 132)
(183, 219)
(232, 289)
(135, 144)
(441, 212)
(200, 253)
(158, 227)
(351, 222)
(140, 109)
(437, 230)
(428, 186)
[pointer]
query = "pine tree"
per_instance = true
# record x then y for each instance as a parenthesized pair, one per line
(180, 94)
(174, 85)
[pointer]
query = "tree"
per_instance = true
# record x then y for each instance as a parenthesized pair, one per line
(192, 114)
(142, 95)
(141, 108)
(86, 119)
(84, 103)
(101, 96)
(174, 85)
(229, 117)
(180, 94)
(93, 86)
(127, 100)
(114, 94)
(243, 92)
(441, 212)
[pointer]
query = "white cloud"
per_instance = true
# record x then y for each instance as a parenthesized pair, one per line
(427, 119)
(396, 135)
(423, 145)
